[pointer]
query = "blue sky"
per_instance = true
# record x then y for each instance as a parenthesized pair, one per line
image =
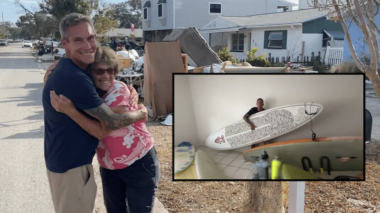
(11, 12)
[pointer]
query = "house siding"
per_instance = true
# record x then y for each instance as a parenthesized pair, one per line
(155, 23)
(184, 13)
(357, 39)
(294, 41)
(318, 25)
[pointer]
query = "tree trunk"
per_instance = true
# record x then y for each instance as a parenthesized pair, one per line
(375, 80)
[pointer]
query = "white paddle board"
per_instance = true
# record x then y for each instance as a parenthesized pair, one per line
(335, 149)
(206, 168)
(183, 156)
(270, 123)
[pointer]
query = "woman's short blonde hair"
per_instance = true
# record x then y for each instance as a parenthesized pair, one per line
(105, 55)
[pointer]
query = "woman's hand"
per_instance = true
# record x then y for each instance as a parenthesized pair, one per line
(134, 97)
(49, 70)
(61, 103)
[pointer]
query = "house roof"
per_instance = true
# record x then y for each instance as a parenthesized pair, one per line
(124, 32)
(295, 17)
(335, 34)
(276, 19)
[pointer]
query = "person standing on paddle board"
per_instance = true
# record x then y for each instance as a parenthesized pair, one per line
(254, 110)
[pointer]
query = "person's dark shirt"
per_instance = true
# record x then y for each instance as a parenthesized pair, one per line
(253, 111)
(67, 145)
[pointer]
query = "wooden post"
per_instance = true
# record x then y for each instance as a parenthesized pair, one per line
(296, 197)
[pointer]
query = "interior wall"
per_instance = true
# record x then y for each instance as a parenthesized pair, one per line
(219, 100)
(184, 124)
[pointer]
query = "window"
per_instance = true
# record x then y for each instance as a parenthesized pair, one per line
(237, 42)
(145, 13)
(146, 6)
(160, 10)
(275, 39)
(215, 8)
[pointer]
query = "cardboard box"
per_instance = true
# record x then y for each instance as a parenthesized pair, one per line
(161, 60)
(126, 61)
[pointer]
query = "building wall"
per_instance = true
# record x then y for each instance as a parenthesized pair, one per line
(219, 100)
(313, 43)
(294, 36)
(155, 23)
(304, 4)
(183, 13)
(187, 130)
(318, 25)
(357, 39)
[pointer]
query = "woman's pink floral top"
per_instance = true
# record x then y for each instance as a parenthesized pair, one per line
(124, 146)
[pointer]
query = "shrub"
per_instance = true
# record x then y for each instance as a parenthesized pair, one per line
(225, 55)
(321, 67)
(103, 39)
(345, 67)
(255, 60)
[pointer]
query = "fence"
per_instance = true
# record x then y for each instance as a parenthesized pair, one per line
(306, 60)
(334, 55)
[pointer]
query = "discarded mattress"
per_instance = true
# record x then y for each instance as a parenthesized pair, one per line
(193, 44)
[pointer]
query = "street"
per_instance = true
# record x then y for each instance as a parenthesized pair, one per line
(373, 105)
(23, 180)
(24, 186)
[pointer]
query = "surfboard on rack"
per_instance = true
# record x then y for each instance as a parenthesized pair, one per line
(270, 124)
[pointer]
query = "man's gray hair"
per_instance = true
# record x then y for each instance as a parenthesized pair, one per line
(73, 19)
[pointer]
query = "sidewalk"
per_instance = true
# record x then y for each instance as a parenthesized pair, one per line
(99, 206)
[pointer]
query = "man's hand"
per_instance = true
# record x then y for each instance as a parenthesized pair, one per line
(49, 70)
(134, 98)
(61, 103)
(253, 126)
(144, 110)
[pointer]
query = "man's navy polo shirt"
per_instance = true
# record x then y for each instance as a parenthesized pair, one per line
(253, 110)
(67, 145)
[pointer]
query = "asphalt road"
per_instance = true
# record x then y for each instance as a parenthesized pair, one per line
(23, 181)
(373, 105)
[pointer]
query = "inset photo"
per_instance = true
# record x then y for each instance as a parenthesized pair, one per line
(268, 127)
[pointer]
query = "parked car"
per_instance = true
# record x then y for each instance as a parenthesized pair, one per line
(128, 45)
(10, 41)
(59, 53)
(26, 43)
(3, 42)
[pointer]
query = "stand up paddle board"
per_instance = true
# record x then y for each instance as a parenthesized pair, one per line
(183, 156)
(206, 168)
(270, 123)
(342, 153)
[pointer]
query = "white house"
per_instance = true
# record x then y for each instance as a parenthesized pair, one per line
(293, 33)
(160, 17)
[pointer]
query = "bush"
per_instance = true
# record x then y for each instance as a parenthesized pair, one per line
(279, 64)
(103, 39)
(255, 60)
(225, 55)
(345, 67)
(321, 67)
